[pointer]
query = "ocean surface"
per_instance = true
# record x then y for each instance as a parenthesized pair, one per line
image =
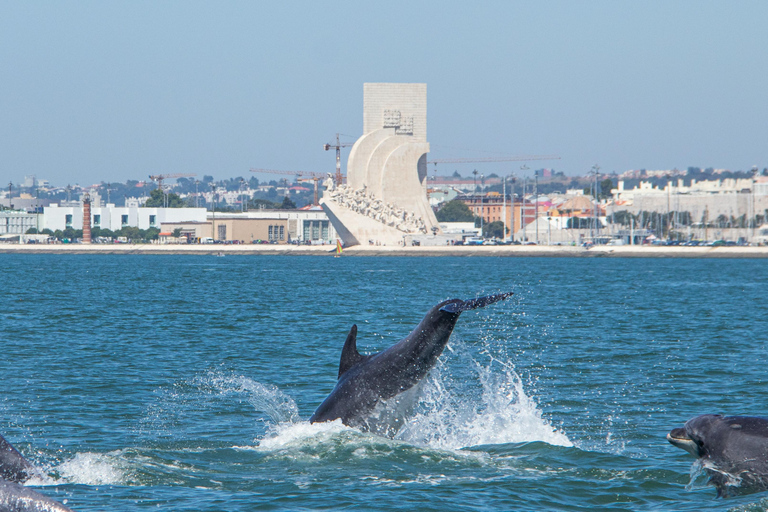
(184, 383)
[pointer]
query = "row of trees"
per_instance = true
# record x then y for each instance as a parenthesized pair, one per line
(131, 233)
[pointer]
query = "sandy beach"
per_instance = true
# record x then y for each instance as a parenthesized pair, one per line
(328, 250)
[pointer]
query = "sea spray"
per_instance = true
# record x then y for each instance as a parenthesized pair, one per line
(96, 469)
(212, 395)
(491, 408)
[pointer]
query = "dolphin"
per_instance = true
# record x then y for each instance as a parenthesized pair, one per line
(13, 466)
(14, 497)
(366, 381)
(732, 449)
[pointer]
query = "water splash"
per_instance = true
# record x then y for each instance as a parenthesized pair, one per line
(492, 408)
(181, 406)
(264, 398)
(95, 469)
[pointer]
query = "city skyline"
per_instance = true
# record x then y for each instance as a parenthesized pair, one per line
(109, 92)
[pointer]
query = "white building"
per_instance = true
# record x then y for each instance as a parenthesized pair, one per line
(14, 222)
(115, 218)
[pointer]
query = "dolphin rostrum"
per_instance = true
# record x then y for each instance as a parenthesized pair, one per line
(14, 497)
(366, 381)
(732, 449)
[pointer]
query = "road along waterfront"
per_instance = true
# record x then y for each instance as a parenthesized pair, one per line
(625, 251)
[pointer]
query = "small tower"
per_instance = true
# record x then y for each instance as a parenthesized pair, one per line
(86, 218)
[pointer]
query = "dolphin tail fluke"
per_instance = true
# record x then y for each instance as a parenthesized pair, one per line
(479, 302)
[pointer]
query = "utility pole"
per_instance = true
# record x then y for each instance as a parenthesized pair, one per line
(512, 213)
(536, 194)
(752, 218)
(242, 203)
(213, 217)
(593, 231)
(482, 186)
(523, 218)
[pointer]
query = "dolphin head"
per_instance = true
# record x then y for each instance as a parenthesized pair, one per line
(693, 435)
(680, 438)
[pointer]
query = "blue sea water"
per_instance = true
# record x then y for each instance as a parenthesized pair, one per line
(184, 383)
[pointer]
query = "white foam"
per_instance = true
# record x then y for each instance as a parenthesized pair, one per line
(501, 413)
(292, 435)
(94, 469)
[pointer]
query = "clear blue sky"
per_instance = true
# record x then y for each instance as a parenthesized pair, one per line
(93, 91)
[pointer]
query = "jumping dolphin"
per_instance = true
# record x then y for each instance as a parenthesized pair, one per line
(366, 381)
(14, 497)
(733, 450)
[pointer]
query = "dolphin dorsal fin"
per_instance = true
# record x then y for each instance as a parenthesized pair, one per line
(349, 354)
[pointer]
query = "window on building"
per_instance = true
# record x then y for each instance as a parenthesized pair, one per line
(282, 232)
(270, 232)
(97, 220)
(124, 220)
(68, 220)
(152, 219)
(222, 231)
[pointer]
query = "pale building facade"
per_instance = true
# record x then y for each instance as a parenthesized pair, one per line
(115, 218)
(13, 222)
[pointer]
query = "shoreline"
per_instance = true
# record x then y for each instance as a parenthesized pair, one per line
(625, 251)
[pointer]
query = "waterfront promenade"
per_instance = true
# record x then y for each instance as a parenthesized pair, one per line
(626, 251)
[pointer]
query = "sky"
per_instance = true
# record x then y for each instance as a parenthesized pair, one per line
(94, 91)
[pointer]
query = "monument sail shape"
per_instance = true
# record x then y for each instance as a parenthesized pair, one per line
(385, 196)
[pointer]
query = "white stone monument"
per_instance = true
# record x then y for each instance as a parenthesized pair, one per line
(385, 196)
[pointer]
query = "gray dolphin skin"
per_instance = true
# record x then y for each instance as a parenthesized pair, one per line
(14, 497)
(366, 381)
(13, 466)
(733, 450)
(17, 498)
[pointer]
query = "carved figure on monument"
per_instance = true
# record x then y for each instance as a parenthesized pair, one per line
(328, 183)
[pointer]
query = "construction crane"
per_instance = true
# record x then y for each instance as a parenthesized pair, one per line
(338, 179)
(160, 177)
(492, 159)
(315, 179)
(294, 173)
(311, 176)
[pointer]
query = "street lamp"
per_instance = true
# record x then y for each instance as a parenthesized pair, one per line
(242, 203)
(752, 219)
(482, 186)
(536, 194)
(593, 231)
(504, 199)
(213, 217)
(523, 218)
